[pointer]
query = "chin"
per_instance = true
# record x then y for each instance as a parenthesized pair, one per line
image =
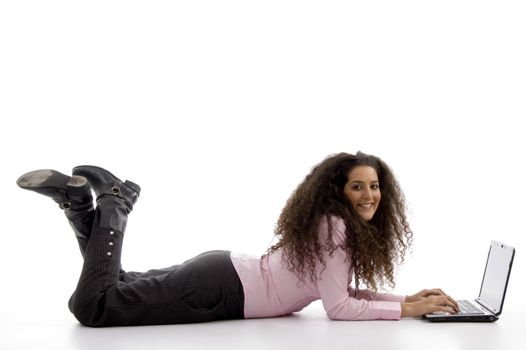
(367, 217)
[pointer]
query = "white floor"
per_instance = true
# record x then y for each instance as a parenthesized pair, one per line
(310, 329)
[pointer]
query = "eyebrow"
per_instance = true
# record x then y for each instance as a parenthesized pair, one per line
(362, 182)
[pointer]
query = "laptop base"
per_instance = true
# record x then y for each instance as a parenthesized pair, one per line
(461, 318)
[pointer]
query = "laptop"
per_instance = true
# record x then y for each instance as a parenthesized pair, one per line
(488, 306)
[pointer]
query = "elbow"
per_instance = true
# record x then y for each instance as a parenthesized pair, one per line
(332, 316)
(335, 315)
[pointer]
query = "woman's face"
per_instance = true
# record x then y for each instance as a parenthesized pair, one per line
(363, 190)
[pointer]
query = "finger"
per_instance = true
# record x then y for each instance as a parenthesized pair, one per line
(439, 291)
(443, 301)
(445, 309)
(438, 299)
(453, 301)
(449, 301)
(451, 305)
(451, 309)
(455, 304)
(434, 291)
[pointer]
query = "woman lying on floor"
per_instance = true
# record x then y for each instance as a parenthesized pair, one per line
(345, 222)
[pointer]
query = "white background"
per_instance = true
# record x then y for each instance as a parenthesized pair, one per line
(219, 109)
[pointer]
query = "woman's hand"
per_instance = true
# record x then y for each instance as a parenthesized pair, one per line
(424, 293)
(428, 301)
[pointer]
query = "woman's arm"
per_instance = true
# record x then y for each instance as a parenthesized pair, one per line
(370, 295)
(334, 280)
(340, 304)
(337, 302)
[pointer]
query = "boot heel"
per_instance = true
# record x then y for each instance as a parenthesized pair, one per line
(77, 181)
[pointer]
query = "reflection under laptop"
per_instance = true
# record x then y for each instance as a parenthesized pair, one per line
(488, 306)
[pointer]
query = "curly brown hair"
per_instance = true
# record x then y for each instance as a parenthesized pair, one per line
(373, 246)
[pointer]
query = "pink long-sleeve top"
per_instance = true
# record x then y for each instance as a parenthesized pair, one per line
(271, 289)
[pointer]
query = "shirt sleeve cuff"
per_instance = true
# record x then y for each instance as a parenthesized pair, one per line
(389, 310)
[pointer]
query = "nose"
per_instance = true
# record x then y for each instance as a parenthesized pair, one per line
(367, 193)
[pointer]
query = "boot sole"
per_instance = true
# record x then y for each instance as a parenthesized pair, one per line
(45, 178)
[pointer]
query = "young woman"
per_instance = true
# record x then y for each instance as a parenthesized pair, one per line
(345, 222)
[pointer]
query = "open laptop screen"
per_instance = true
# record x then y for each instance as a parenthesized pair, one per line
(498, 267)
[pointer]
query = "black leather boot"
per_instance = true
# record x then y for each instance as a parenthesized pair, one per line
(102, 267)
(73, 195)
(118, 197)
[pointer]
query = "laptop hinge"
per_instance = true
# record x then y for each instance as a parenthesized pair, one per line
(485, 306)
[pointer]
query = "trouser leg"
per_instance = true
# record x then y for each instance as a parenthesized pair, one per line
(205, 288)
(81, 223)
(101, 268)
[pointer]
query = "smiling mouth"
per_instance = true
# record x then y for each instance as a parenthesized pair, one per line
(366, 206)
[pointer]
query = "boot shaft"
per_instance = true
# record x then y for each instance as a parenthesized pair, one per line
(105, 183)
(115, 198)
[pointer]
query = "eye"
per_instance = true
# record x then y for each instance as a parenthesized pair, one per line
(356, 187)
(375, 187)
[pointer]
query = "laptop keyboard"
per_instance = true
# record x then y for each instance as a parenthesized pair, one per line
(467, 307)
